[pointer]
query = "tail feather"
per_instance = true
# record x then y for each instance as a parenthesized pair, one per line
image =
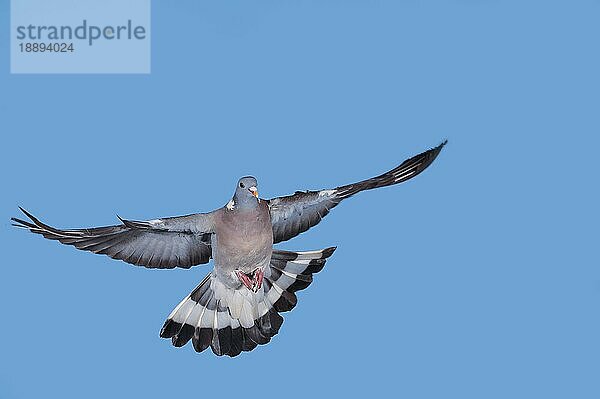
(221, 339)
(232, 321)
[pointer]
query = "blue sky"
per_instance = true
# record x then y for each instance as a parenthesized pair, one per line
(478, 279)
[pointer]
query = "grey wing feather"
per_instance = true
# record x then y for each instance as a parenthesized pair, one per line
(182, 241)
(296, 213)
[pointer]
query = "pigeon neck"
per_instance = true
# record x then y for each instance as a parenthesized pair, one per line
(244, 202)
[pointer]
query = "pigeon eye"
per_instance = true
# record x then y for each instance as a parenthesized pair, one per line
(242, 185)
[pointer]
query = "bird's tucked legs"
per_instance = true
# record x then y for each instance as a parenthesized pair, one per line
(253, 281)
(258, 279)
(244, 279)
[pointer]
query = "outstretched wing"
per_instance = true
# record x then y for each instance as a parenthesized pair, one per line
(296, 213)
(182, 241)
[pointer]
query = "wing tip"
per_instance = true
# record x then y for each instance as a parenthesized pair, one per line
(429, 156)
(23, 223)
(29, 215)
(327, 252)
(436, 150)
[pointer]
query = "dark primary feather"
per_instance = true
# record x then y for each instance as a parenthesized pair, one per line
(165, 243)
(296, 213)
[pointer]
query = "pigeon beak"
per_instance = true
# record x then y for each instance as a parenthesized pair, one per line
(254, 191)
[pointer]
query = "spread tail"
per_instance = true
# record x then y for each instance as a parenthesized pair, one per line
(234, 320)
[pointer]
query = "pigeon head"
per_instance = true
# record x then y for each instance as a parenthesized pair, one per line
(246, 193)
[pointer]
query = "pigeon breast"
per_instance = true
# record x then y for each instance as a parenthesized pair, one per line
(243, 239)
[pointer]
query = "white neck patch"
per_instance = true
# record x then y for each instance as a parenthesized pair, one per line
(231, 204)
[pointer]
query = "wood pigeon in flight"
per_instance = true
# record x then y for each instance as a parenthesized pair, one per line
(237, 305)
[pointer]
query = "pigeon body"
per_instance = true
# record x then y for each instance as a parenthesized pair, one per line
(237, 305)
(243, 240)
